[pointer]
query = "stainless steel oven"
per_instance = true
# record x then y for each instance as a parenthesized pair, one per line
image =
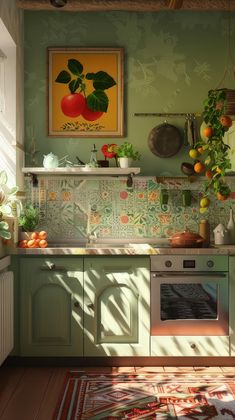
(189, 295)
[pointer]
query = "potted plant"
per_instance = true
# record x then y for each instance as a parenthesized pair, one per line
(126, 154)
(211, 154)
(28, 221)
(8, 207)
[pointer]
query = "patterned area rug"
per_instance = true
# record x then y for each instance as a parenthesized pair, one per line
(147, 396)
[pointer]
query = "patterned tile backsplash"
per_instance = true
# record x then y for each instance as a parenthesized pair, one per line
(71, 208)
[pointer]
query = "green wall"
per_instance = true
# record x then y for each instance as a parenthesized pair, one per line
(172, 59)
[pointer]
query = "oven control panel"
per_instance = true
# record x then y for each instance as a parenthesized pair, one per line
(189, 263)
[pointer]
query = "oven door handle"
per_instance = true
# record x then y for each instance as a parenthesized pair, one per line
(192, 274)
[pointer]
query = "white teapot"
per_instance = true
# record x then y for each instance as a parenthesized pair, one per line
(50, 161)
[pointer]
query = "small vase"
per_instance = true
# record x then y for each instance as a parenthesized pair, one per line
(231, 228)
(125, 162)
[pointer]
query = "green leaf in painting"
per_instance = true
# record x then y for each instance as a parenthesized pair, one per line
(74, 85)
(101, 80)
(98, 101)
(63, 77)
(75, 66)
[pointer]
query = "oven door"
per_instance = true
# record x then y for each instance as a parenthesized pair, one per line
(189, 303)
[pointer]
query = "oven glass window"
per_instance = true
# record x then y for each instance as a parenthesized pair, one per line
(189, 301)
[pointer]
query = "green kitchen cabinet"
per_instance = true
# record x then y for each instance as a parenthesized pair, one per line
(51, 306)
(116, 306)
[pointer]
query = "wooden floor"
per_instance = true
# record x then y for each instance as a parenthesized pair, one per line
(31, 393)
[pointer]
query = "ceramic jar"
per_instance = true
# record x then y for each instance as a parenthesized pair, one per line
(204, 232)
(221, 235)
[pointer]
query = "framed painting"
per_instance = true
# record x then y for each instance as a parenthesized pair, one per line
(85, 92)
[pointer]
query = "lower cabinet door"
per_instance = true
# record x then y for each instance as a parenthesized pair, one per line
(51, 306)
(190, 346)
(116, 306)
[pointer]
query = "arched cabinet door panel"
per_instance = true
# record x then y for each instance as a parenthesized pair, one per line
(116, 306)
(51, 314)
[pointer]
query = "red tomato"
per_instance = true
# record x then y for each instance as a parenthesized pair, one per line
(73, 104)
(90, 115)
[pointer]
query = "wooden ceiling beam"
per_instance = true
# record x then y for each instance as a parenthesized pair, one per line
(127, 5)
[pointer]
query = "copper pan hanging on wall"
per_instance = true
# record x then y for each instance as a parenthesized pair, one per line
(165, 140)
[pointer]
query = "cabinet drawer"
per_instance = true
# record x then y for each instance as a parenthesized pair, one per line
(190, 346)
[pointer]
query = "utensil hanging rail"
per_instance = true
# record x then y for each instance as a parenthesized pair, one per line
(167, 114)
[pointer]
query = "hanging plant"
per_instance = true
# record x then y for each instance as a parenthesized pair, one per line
(211, 154)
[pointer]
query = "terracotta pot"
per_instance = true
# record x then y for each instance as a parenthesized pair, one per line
(186, 239)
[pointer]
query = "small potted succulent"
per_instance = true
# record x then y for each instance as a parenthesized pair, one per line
(28, 220)
(126, 154)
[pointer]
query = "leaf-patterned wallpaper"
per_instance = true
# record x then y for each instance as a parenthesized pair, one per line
(172, 59)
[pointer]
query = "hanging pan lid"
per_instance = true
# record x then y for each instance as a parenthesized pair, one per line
(165, 140)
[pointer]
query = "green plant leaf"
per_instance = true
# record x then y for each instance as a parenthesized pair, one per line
(75, 66)
(98, 101)
(3, 225)
(13, 190)
(101, 80)
(63, 77)
(3, 178)
(29, 219)
(5, 234)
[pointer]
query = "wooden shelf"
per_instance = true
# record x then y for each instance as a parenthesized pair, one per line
(82, 171)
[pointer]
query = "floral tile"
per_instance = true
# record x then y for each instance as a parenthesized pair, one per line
(71, 207)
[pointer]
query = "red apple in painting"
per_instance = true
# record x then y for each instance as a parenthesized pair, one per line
(73, 104)
(90, 115)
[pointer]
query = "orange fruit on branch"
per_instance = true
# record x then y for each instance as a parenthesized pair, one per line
(193, 153)
(225, 121)
(221, 197)
(209, 174)
(208, 131)
(199, 167)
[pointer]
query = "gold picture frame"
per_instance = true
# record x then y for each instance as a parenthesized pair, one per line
(85, 92)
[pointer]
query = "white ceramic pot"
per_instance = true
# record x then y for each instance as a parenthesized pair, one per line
(24, 235)
(125, 162)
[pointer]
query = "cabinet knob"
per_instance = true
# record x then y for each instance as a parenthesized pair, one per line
(91, 306)
(77, 304)
(193, 345)
(51, 266)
